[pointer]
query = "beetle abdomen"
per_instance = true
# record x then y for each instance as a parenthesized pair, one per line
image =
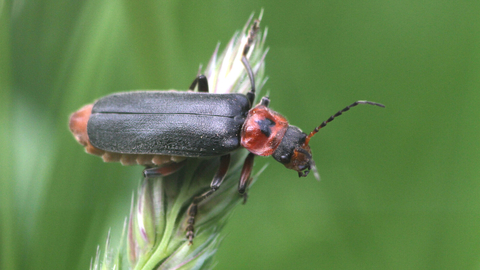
(168, 123)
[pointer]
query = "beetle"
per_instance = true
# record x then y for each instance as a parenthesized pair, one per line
(163, 128)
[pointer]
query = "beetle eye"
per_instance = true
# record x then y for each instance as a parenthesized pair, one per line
(285, 159)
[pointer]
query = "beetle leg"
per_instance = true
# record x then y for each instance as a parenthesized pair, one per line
(216, 182)
(163, 170)
(245, 178)
(202, 82)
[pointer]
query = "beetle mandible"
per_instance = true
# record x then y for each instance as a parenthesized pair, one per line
(162, 128)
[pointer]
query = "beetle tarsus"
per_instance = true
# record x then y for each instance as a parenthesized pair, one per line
(193, 208)
(245, 197)
(245, 178)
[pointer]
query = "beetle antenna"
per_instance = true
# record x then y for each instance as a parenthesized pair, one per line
(307, 140)
(250, 39)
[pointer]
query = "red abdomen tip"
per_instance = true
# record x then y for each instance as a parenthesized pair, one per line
(78, 124)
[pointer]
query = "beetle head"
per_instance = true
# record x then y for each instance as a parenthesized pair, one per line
(294, 153)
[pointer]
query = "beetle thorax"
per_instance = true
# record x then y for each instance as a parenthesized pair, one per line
(263, 131)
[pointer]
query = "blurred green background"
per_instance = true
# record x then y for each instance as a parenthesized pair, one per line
(400, 186)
